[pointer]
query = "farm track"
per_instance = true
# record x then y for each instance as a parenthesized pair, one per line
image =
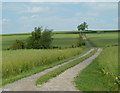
(64, 81)
(28, 84)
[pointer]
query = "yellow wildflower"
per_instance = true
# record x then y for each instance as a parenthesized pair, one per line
(116, 78)
(107, 73)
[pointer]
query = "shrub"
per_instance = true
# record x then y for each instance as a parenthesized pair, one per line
(81, 41)
(18, 44)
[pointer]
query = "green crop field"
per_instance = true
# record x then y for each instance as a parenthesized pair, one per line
(63, 40)
(60, 40)
(8, 40)
(103, 39)
(102, 74)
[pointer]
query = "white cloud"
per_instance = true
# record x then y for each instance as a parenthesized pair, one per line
(5, 20)
(90, 14)
(34, 16)
(34, 9)
(100, 7)
(24, 8)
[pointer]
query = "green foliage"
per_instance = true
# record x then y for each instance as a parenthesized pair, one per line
(46, 39)
(82, 26)
(34, 41)
(39, 40)
(81, 41)
(18, 44)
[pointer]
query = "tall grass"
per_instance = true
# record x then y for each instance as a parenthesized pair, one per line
(16, 62)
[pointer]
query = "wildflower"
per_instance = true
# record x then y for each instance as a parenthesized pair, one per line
(107, 73)
(116, 78)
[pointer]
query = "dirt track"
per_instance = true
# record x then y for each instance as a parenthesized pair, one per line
(64, 81)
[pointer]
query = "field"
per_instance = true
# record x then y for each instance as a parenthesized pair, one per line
(60, 40)
(101, 74)
(7, 41)
(64, 41)
(21, 63)
(103, 39)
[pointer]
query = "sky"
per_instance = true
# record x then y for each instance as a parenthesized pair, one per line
(22, 17)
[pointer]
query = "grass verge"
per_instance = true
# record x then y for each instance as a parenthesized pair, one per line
(61, 69)
(102, 74)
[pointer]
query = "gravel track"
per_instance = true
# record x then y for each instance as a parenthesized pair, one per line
(64, 81)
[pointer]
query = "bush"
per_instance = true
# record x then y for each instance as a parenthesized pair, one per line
(81, 41)
(39, 40)
(18, 44)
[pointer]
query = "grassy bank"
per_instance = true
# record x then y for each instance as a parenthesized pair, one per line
(61, 69)
(21, 63)
(101, 74)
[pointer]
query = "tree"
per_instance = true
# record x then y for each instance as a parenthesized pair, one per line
(82, 26)
(40, 39)
(46, 38)
(18, 44)
(35, 40)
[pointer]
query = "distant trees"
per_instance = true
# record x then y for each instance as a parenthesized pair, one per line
(40, 39)
(82, 26)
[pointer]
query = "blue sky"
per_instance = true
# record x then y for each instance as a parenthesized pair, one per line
(21, 17)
